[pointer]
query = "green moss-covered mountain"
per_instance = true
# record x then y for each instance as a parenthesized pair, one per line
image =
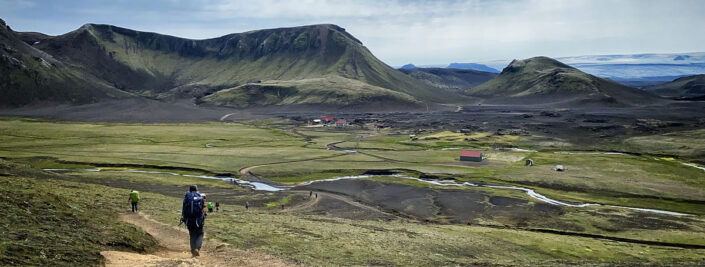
(690, 87)
(317, 64)
(29, 75)
(541, 80)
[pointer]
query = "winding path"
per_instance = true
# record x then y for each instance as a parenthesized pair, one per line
(176, 252)
(322, 195)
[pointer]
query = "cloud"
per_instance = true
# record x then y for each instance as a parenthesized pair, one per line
(398, 32)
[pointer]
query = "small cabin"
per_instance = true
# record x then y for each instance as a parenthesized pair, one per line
(469, 155)
(340, 123)
(327, 119)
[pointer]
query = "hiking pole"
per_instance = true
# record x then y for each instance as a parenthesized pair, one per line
(181, 221)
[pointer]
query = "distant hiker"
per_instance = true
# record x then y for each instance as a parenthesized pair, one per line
(210, 206)
(247, 205)
(529, 162)
(193, 215)
(310, 193)
(217, 206)
(134, 198)
(204, 202)
(316, 195)
(282, 206)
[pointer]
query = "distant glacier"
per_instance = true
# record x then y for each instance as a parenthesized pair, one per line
(634, 70)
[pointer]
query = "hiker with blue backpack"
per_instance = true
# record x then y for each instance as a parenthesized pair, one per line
(193, 215)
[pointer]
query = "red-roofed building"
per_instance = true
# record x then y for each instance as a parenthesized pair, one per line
(470, 155)
(340, 123)
(327, 119)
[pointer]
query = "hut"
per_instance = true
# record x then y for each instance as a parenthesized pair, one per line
(340, 123)
(469, 155)
(327, 119)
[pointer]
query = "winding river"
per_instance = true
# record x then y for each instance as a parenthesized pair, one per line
(446, 183)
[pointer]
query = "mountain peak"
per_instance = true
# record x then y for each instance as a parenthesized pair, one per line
(543, 79)
(408, 66)
(307, 58)
(540, 63)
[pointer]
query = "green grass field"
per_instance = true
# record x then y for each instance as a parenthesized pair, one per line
(291, 157)
(232, 146)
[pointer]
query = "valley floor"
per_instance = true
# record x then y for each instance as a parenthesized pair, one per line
(373, 220)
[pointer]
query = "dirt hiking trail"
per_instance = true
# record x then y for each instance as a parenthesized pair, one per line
(176, 251)
(312, 201)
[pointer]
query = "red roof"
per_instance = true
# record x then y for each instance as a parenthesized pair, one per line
(470, 153)
(327, 118)
(340, 121)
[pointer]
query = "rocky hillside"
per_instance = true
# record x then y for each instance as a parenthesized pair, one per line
(689, 87)
(545, 80)
(166, 67)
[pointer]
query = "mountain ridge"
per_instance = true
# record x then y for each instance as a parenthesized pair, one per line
(30, 75)
(544, 80)
(166, 67)
(689, 87)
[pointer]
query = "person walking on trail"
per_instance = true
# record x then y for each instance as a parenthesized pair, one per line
(193, 214)
(247, 205)
(210, 207)
(205, 204)
(217, 206)
(134, 199)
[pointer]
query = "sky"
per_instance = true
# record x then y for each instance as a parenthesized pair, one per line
(400, 32)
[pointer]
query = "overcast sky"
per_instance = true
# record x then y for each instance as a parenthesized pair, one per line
(400, 32)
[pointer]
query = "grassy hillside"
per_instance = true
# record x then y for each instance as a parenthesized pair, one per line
(53, 222)
(28, 75)
(543, 80)
(685, 87)
(161, 66)
(334, 90)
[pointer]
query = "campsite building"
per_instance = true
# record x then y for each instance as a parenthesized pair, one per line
(469, 155)
(340, 123)
(327, 119)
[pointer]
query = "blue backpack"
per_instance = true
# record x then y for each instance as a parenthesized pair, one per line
(192, 210)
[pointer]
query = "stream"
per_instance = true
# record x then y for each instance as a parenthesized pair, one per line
(448, 183)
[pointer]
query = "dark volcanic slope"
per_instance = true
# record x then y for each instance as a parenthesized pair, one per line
(545, 80)
(684, 87)
(450, 79)
(300, 65)
(29, 75)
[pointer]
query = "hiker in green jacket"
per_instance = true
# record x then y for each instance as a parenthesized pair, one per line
(210, 206)
(134, 198)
